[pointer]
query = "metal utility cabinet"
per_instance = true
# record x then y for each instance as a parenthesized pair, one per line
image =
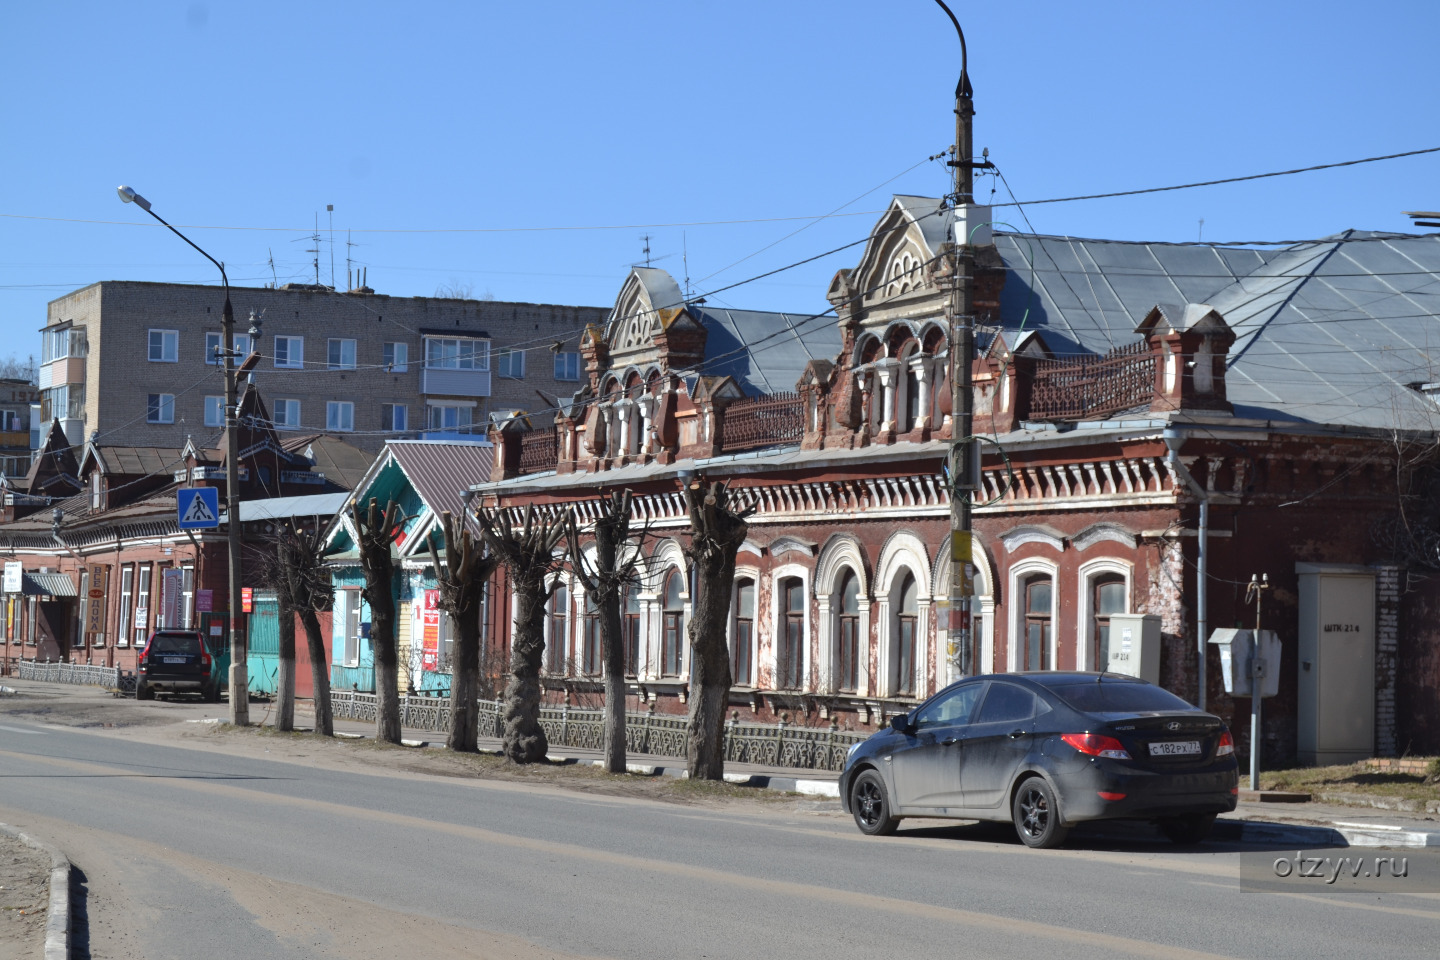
(1336, 663)
(1135, 645)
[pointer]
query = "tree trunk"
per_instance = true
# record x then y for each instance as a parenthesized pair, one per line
(387, 658)
(612, 647)
(465, 675)
(320, 671)
(525, 740)
(710, 683)
(285, 683)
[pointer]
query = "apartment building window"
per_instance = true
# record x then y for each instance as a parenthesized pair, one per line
(340, 415)
(67, 401)
(397, 357)
(215, 346)
(510, 364)
(290, 352)
(342, 355)
(567, 366)
(160, 408)
(451, 353)
(287, 414)
(214, 411)
(164, 346)
(448, 417)
(394, 416)
(60, 344)
(127, 593)
(10, 421)
(142, 604)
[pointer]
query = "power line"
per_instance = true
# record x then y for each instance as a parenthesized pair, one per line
(1212, 183)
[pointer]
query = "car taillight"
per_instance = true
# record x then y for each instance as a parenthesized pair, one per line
(1096, 745)
(205, 660)
(1111, 797)
(1227, 745)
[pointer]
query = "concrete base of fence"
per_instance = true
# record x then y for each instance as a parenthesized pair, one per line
(57, 919)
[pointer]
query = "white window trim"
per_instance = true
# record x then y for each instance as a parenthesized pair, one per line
(338, 407)
(903, 551)
(397, 366)
(984, 595)
(839, 555)
(242, 346)
(160, 409)
(1019, 572)
(162, 330)
(342, 365)
(1089, 571)
(290, 362)
(287, 425)
(568, 353)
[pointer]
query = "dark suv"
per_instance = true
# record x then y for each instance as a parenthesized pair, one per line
(176, 661)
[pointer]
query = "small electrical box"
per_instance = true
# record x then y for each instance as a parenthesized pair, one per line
(1135, 646)
(1240, 662)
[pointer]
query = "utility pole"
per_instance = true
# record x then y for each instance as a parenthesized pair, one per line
(960, 646)
(1258, 668)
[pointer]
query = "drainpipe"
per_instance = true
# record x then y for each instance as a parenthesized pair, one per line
(1174, 440)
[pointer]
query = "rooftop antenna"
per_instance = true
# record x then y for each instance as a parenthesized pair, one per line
(274, 280)
(1200, 234)
(685, 256)
(330, 209)
(349, 245)
(646, 238)
(315, 239)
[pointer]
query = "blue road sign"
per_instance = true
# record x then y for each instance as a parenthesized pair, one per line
(199, 508)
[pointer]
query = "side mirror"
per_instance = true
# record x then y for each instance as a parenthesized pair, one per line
(900, 723)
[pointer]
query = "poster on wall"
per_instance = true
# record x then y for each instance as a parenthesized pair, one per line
(204, 601)
(430, 631)
(95, 599)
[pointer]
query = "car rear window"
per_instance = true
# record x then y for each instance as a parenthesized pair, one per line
(1121, 697)
(175, 643)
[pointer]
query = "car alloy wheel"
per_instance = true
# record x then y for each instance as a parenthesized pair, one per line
(871, 806)
(1036, 816)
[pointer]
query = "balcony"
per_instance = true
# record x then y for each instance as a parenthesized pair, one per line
(440, 382)
(60, 372)
(1088, 388)
(11, 439)
(538, 451)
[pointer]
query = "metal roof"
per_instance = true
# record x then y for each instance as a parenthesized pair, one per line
(1332, 331)
(744, 344)
(442, 472)
(48, 584)
(312, 505)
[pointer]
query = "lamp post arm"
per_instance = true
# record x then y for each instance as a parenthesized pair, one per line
(218, 265)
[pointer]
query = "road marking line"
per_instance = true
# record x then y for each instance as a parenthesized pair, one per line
(33, 733)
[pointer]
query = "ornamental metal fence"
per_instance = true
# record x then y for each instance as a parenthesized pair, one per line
(662, 735)
(77, 673)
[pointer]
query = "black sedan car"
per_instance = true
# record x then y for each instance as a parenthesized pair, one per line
(1046, 751)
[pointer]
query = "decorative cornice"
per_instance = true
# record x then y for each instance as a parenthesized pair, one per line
(1019, 536)
(1097, 532)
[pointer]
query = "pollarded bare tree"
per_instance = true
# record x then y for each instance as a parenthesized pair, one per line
(377, 530)
(291, 563)
(462, 591)
(529, 556)
(605, 583)
(717, 529)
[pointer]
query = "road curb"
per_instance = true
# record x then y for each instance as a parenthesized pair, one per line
(1340, 834)
(57, 919)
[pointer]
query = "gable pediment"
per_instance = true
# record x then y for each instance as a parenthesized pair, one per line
(894, 262)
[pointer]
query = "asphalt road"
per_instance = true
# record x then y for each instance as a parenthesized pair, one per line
(186, 852)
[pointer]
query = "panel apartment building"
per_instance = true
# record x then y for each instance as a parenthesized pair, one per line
(135, 361)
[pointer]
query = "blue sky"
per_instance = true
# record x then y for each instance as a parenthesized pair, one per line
(421, 120)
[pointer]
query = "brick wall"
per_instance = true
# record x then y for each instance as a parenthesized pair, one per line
(1387, 648)
(120, 376)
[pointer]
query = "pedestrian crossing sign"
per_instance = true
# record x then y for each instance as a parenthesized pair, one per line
(199, 508)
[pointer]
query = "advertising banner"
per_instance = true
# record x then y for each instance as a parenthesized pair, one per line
(430, 631)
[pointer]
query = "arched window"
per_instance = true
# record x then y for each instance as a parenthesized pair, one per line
(790, 656)
(907, 618)
(1038, 597)
(1107, 596)
(742, 639)
(632, 630)
(849, 624)
(590, 654)
(674, 630)
(559, 620)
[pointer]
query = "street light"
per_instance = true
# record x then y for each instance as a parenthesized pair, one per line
(239, 677)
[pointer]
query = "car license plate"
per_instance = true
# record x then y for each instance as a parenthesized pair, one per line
(1175, 748)
(172, 659)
